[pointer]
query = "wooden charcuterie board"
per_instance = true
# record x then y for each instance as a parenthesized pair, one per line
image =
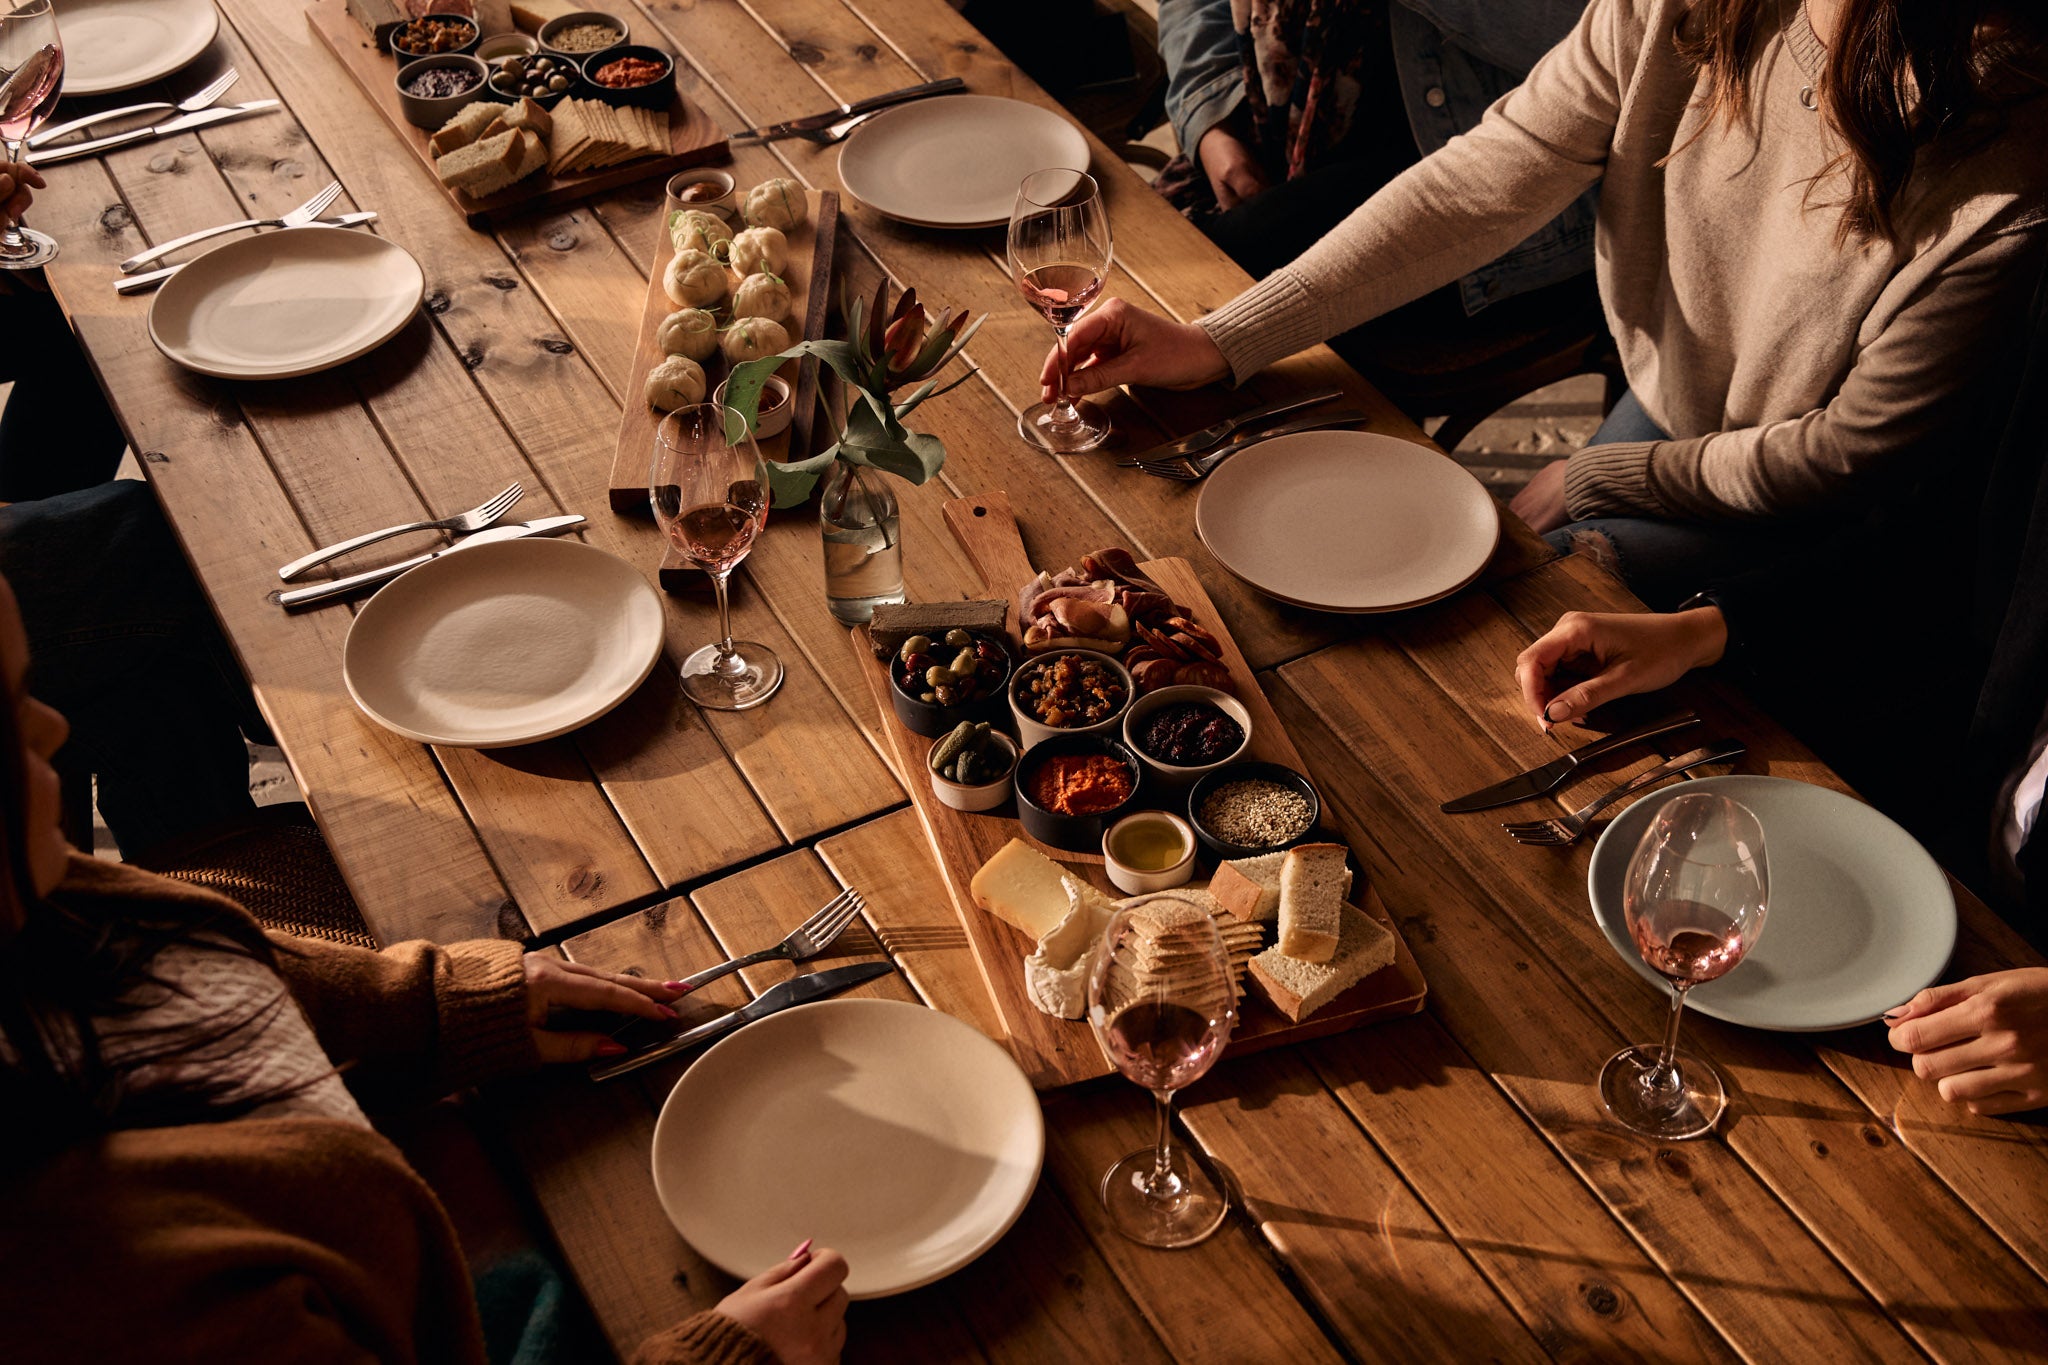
(694, 140)
(1057, 1052)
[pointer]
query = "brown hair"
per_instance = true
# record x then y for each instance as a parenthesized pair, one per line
(1902, 77)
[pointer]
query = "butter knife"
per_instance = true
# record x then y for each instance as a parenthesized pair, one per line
(343, 587)
(1550, 776)
(184, 123)
(811, 122)
(1215, 435)
(796, 991)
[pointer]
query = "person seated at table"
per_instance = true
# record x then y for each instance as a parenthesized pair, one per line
(57, 433)
(1290, 115)
(186, 1163)
(1812, 222)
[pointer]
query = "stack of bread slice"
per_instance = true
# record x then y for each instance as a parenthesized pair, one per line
(487, 147)
(1326, 945)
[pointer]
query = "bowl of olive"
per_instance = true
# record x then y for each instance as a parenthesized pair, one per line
(544, 79)
(935, 682)
(971, 766)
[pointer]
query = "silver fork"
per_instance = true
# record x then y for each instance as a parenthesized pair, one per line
(462, 523)
(806, 941)
(191, 104)
(837, 132)
(1191, 469)
(1563, 831)
(298, 217)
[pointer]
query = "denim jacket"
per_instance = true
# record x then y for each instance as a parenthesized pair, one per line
(1455, 58)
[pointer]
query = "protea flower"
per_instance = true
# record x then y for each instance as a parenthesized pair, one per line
(901, 346)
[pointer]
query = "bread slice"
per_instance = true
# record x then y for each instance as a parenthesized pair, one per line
(1298, 989)
(466, 127)
(1249, 888)
(1313, 884)
(527, 113)
(533, 154)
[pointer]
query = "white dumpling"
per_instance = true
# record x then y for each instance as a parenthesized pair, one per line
(694, 279)
(758, 250)
(779, 204)
(752, 338)
(696, 230)
(761, 296)
(676, 382)
(688, 332)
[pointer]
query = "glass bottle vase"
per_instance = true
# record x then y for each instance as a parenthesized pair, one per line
(863, 540)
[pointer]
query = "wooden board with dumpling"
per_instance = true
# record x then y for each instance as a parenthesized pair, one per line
(725, 291)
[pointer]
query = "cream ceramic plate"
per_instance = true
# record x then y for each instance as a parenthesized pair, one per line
(890, 1132)
(1347, 521)
(119, 44)
(955, 161)
(286, 303)
(508, 643)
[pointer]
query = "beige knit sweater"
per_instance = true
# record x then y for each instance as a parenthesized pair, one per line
(1790, 371)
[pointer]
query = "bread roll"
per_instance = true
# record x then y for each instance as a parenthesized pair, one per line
(696, 230)
(759, 249)
(752, 338)
(688, 332)
(694, 280)
(761, 296)
(779, 204)
(676, 382)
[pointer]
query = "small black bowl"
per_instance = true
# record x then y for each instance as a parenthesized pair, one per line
(1239, 772)
(658, 93)
(925, 718)
(1077, 833)
(476, 33)
(495, 91)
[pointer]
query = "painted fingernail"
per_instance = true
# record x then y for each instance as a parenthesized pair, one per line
(667, 1013)
(674, 986)
(610, 1048)
(803, 1250)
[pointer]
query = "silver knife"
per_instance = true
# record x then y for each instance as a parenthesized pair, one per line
(150, 279)
(1557, 772)
(794, 126)
(342, 587)
(184, 123)
(796, 991)
(1212, 436)
(1315, 421)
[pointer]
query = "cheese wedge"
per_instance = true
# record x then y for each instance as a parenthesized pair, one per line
(1023, 888)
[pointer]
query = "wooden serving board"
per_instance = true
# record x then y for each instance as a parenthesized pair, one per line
(811, 249)
(694, 140)
(1057, 1052)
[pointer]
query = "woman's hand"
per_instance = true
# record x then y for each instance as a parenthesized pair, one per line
(1983, 1042)
(16, 179)
(798, 1308)
(1118, 344)
(1625, 653)
(1234, 173)
(1541, 501)
(554, 983)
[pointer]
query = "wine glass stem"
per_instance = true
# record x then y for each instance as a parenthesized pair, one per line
(1063, 411)
(725, 650)
(1664, 1076)
(11, 240)
(1161, 1185)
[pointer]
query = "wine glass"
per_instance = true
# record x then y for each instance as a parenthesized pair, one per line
(1697, 891)
(1060, 253)
(1161, 1002)
(31, 78)
(709, 487)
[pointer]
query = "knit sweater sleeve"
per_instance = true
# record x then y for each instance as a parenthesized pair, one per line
(705, 1339)
(1535, 151)
(415, 1020)
(1936, 332)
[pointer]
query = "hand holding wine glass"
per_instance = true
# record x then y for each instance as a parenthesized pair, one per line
(1059, 248)
(709, 487)
(1695, 899)
(1161, 1001)
(31, 79)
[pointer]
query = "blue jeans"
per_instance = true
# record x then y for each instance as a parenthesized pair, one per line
(124, 644)
(1665, 562)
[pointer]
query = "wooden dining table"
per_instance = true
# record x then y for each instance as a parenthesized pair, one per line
(1443, 1186)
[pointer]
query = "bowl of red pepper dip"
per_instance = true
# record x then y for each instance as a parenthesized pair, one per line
(631, 74)
(1071, 789)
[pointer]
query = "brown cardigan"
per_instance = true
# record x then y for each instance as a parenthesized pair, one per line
(285, 1239)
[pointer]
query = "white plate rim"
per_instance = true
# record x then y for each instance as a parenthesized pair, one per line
(866, 132)
(525, 545)
(1607, 848)
(671, 1111)
(1319, 437)
(174, 60)
(264, 243)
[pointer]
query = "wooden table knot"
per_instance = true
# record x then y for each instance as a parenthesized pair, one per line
(1601, 1299)
(584, 882)
(810, 54)
(115, 219)
(437, 302)
(555, 345)
(502, 281)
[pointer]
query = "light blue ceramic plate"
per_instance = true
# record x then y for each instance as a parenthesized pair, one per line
(1860, 916)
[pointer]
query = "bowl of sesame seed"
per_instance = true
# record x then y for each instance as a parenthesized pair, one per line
(1246, 809)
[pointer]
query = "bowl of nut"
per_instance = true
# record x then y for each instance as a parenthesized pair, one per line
(936, 683)
(1069, 692)
(971, 766)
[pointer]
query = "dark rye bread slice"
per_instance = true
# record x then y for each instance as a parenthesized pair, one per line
(895, 622)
